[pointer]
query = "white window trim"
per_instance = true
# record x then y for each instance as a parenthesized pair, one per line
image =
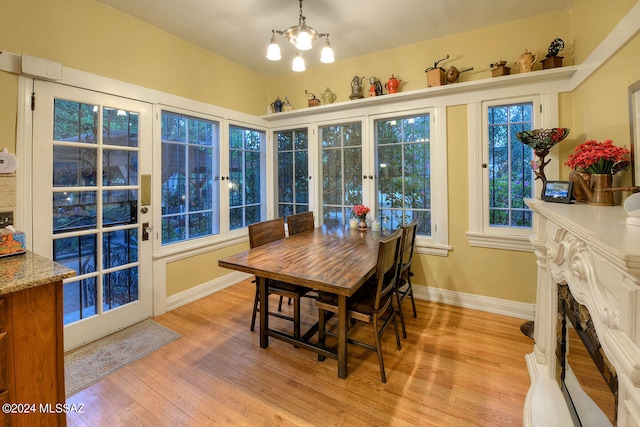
(479, 233)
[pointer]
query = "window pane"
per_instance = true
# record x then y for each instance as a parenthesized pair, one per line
(510, 175)
(293, 172)
(341, 171)
(404, 172)
(190, 177)
(245, 180)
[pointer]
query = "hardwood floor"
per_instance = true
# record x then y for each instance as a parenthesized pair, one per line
(458, 367)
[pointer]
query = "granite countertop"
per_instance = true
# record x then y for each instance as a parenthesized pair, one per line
(20, 272)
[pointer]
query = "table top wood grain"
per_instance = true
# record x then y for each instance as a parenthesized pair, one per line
(332, 259)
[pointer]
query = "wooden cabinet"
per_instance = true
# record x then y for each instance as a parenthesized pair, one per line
(31, 342)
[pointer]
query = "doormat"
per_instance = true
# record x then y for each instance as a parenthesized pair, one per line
(90, 363)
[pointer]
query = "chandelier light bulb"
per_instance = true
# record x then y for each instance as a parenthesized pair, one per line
(303, 40)
(326, 56)
(298, 63)
(273, 51)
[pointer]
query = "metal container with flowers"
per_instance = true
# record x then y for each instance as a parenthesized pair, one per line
(601, 160)
(360, 212)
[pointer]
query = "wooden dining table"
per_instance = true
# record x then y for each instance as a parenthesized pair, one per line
(332, 259)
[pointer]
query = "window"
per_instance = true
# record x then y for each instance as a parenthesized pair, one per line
(404, 171)
(293, 171)
(510, 173)
(246, 187)
(190, 159)
(501, 169)
(341, 171)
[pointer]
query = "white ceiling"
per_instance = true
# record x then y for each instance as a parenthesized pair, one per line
(240, 30)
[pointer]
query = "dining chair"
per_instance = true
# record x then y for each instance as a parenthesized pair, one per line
(403, 286)
(260, 234)
(372, 303)
(300, 223)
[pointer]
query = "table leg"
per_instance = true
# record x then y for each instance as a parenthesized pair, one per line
(343, 331)
(264, 312)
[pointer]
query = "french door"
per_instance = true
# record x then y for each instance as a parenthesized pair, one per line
(91, 168)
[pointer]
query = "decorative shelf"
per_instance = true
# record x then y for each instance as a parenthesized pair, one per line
(560, 77)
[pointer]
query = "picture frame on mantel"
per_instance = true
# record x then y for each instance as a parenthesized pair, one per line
(634, 142)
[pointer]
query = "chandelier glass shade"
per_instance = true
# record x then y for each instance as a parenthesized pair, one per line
(301, 37)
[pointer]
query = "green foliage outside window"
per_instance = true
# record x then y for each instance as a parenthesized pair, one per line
(404, 172)
(510, 174)
(245, 176)
(188, 171)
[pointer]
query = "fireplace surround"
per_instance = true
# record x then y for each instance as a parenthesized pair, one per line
(593, 256)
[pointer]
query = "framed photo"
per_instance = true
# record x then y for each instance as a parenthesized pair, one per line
(558, 191)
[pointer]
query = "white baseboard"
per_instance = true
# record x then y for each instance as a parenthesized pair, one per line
(477, 302)
(515, 309)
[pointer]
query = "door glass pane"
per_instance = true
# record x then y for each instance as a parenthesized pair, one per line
(79, 299)
(119, 207)
(120, 167)
(74, 166)
(74, 210)
(119, 288)
(293, 172)
(74, 121)
(120, 127)
(120, 247)
(77, 253)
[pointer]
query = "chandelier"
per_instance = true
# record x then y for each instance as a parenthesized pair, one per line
(302, 37)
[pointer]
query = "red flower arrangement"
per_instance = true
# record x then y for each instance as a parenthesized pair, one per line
(361, 211)
(597, 157)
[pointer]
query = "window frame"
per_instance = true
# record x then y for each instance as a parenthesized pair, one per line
(481, 234)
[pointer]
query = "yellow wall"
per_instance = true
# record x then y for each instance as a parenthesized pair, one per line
(196, 270)
(601, 103)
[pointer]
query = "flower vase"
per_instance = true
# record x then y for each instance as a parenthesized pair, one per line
(599, 183)
(362, 223)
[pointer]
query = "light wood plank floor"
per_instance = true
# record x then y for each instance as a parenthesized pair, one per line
(458, 367)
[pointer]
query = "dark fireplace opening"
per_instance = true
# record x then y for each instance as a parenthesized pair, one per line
(585, 375)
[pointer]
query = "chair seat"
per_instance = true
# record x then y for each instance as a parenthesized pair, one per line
(363, 301)
(287, 289)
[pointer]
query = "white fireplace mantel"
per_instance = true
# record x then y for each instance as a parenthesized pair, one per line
(594, 252)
